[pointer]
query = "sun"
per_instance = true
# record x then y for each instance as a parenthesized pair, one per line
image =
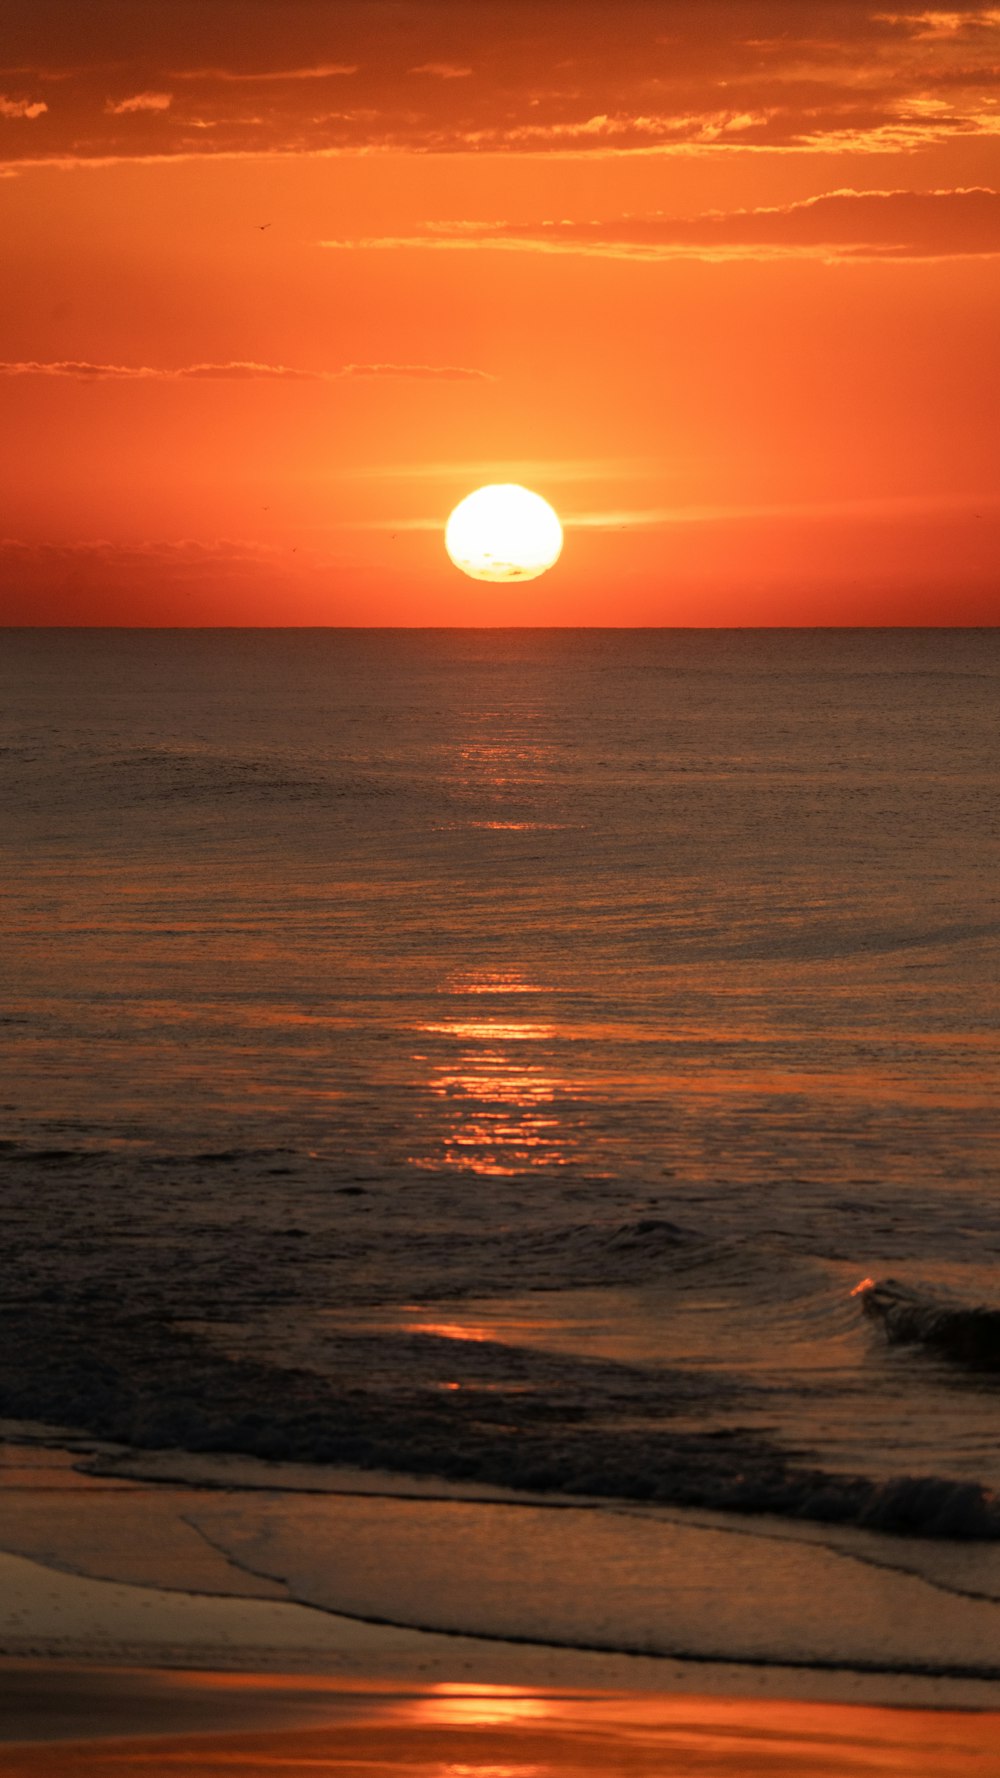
(503, 532)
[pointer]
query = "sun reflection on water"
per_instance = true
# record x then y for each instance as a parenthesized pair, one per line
(493, 981)
(500, 1101)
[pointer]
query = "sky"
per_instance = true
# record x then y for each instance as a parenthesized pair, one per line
(286, 279)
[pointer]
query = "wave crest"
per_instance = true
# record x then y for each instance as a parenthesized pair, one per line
(967, 1334)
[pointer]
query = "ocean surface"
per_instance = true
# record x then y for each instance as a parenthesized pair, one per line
(500, 1056)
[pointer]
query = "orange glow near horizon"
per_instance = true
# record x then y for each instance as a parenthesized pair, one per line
(719, 284)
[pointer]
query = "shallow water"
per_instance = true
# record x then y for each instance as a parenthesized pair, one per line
(500, 1055)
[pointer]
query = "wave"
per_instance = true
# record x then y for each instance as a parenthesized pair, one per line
(503, 1415)
(571, 1255)
(967, 1334)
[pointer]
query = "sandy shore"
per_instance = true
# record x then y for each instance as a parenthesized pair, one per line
(130, 1644)
(370, 1701)
(170, 1560)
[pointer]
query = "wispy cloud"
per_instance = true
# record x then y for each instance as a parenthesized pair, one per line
(878, 509)
(447, 373)
(81, 370)
(672, 77)
(183, 551)
(84, 371)
(442, 70)
(139, 102)
(255, 77)
(941, 26)
(21, 107)
(844, 224)
(887, 507)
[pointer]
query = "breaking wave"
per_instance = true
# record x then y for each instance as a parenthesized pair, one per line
(486, 1412)
(967, 1334)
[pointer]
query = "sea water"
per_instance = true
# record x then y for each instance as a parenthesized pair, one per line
(500, 1057)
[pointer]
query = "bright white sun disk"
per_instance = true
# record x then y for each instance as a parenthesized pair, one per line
(503, 532)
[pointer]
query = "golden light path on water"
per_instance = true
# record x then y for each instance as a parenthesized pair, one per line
(501, 1105)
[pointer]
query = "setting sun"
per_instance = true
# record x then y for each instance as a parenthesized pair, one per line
(503, 532)
(499, 669)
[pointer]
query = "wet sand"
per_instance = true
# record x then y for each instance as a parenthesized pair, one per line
(66, 1722)
(369, 1701)
(224, 1565)
(166, 1657)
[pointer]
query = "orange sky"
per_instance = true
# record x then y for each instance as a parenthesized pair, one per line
(720, 280)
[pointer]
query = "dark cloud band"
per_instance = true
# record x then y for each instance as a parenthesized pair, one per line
(123, 81)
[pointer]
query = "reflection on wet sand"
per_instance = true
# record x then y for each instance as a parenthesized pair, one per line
(359, 1730)
(481, 1706)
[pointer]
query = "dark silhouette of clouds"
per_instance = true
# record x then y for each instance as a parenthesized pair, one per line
(566, 75)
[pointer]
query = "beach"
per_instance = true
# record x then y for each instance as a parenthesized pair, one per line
(367, 1700)
(196, 1663)
(499, 1188)
(499, 847)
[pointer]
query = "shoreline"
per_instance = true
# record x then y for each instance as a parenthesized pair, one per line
(254, 1571)
(134, 1640)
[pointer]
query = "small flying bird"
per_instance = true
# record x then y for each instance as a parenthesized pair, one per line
(263, 225)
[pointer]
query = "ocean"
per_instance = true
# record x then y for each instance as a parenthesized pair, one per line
(552, 1061)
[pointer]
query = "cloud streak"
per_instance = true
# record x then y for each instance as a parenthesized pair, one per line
(28, 108)
(442, 70)
(259, 76)
(139, 102)
(440, 373)
(181, 552)
(843, 224)
(83, 371)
